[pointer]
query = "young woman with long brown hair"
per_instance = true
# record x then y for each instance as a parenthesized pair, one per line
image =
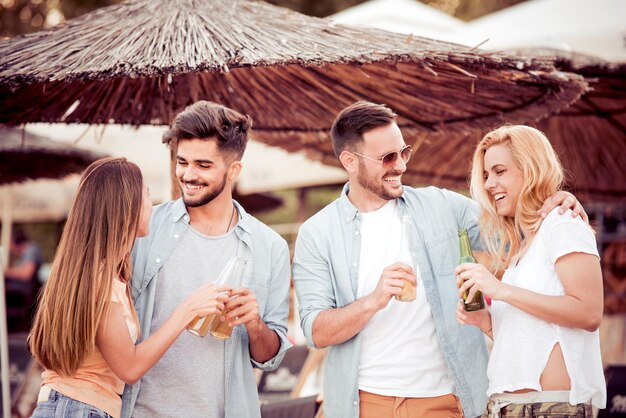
(547, 308)
(85, 328)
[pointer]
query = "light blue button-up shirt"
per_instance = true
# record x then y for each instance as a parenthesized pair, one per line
(326, 269)
(267, 275)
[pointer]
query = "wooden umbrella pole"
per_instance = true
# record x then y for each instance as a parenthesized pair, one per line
(4, 351)
(7, 220)
(4, 342)
(176, 193)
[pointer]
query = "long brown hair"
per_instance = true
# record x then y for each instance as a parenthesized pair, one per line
(543, 175)
(94, 250)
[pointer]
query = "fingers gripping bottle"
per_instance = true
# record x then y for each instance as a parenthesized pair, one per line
(220, 329)
(201, 325)
(407, 256)
(478, 302)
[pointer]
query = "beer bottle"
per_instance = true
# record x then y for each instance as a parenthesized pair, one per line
(407, 256)
(201, 325)
(221, 330)
(478, 302)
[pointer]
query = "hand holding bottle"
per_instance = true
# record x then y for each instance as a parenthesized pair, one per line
(406, 255)
(204, 301)
(392, 280)
(480, 319)
(233, 271)
(476, 278)
(222, 328)
(473, 300)
(243, 309)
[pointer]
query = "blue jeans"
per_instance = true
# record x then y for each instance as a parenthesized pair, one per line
(60, 406)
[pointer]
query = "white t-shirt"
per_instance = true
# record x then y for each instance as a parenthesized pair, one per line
(522, 342)
(400, 354)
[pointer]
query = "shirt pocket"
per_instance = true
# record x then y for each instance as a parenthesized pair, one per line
(443, 251)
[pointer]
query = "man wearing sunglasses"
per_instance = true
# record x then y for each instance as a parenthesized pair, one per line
(389, 358)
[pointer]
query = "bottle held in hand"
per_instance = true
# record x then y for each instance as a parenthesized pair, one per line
(478, 302)
(406, 255)
(200, 326)
(220, 329)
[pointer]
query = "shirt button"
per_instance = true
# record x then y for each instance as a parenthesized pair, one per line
(158, 260)
(355, 403)
(353, 264)
(176, 236)
(186, 217)
(356, 232)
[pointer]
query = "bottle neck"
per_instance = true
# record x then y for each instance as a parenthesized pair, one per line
(466, 248)
(405, 254)
(405, 236)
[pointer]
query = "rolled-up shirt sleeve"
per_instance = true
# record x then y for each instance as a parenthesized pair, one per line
(313, 280)
(277, 310)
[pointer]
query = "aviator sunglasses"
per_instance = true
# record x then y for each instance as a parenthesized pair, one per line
(390, 158)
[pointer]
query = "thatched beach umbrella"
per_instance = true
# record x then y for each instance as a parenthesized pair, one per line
(26, 156)
(589, 137)
(142, 61)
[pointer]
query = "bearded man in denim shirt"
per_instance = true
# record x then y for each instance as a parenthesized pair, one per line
(189, 243)
(389, 358)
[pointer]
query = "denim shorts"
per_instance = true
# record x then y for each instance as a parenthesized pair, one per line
(60, 406)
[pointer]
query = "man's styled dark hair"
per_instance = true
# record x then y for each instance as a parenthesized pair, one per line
(207, 120)
(353, 121)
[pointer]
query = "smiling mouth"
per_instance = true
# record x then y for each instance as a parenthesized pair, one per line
(499, 196)
(392, 179)
(193, 186)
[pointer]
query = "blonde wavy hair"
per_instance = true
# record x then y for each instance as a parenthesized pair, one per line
(543, 176)
(94, 250)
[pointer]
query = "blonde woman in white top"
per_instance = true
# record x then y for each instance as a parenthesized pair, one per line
(546, 310)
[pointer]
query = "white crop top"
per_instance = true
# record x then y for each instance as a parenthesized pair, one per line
(522, 342)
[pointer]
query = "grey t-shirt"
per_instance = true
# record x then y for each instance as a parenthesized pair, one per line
(189, 379)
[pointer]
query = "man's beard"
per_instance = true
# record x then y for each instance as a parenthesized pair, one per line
(204, 199)
(369, 183)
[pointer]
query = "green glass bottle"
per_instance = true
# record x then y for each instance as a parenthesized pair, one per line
(478, 302)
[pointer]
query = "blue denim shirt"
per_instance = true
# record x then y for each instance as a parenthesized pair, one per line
(267, 275)
(325, 270)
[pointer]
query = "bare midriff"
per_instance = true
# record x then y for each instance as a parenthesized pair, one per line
(554, 376)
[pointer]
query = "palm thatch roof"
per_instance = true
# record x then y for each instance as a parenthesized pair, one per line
(142, 61)
(589, 137)
(25, 156)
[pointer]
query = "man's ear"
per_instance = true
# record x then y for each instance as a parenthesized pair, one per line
(349, 161)
(233, 170)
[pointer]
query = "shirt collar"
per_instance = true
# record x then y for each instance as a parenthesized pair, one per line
(348, 211)
(179, 210)
(244, 221)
